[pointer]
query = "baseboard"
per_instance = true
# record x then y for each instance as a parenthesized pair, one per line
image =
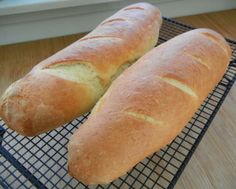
(38, 23)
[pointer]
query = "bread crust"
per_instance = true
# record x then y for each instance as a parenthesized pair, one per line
(147, 106)
(53, 93)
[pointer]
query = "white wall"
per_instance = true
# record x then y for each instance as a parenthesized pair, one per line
(51, 18)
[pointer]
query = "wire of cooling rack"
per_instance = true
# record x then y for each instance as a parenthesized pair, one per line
(40, 162)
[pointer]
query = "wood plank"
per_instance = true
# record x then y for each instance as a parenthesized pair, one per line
(223, 22)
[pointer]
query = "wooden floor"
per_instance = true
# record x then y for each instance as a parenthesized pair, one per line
(213, 165)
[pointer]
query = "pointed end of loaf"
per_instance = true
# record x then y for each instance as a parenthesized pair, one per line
(84, 166)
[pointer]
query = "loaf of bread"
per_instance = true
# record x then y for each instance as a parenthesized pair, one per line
(70, 82)
(147, 106)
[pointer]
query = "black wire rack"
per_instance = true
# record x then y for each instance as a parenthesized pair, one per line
(41, 162)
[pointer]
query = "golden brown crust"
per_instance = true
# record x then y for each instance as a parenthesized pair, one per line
(113, 41)
(147, 106)
(54, 101)
(53, 93)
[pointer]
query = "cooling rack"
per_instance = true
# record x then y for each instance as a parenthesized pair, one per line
(40, 162)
